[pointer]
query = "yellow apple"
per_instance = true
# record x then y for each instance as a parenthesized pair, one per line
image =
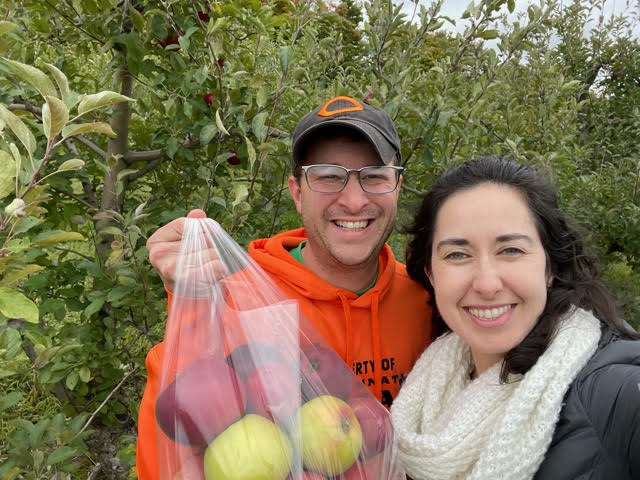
(253, 448)
(327, 432)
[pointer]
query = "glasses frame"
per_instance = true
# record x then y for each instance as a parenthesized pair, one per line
(357, 171)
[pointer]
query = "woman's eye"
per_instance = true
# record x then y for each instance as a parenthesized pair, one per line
(512, 251)
(456, 256)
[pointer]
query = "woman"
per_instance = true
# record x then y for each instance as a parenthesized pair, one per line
(538, 377)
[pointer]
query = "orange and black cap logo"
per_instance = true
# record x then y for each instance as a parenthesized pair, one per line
(327, 111)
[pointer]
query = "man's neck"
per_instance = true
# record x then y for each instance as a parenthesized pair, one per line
(348, 277)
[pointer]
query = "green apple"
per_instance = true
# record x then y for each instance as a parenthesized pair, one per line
(253, 448)
(327, 432)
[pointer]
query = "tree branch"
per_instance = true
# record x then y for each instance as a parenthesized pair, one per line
(143, 171)
(88, 143)
(75, 197)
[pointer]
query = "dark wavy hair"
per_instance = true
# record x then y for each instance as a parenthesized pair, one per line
(575, 277)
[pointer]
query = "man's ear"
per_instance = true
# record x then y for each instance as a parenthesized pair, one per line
(296, 192)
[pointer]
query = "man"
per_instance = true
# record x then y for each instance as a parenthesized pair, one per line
(345, 185)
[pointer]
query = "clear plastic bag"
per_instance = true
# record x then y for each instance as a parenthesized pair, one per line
(249, 390)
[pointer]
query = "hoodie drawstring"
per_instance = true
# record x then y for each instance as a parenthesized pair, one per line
(376, 344)
(348, 355)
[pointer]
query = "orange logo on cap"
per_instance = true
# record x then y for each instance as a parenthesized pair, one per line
(355, 107)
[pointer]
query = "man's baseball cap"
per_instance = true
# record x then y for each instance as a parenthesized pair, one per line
(372, 122)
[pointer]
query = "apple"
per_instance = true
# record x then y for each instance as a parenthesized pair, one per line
(203, 400)
(208, 98)
(374, 422)
(191, 469)
(273, 391)
(221, 62)
(203, 16)
(372, 469)
(367, 97)
(246, 357)
(233, 159)
(324, 372)
(327, 433)
(253, 448)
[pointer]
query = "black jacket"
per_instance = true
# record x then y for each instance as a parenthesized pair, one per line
(598, 433)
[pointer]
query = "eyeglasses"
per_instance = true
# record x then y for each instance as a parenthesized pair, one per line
(333, 178)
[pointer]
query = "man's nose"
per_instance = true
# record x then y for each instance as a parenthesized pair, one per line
(352, 195)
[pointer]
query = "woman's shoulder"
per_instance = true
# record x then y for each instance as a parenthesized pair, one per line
(607, 390)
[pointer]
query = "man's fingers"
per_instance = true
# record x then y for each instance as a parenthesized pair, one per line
(171, 232)
(197, 213)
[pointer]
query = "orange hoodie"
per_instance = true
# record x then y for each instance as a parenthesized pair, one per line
(379, 334)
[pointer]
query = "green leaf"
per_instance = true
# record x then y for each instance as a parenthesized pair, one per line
(71, 165)
(257, 125)
(9, 400)
(7, 174)
(93, 127)
(251, 152)
(15, 305)
(261, 97)
(488, 34)
(72, 380)
(94, 307)
(6, 27)
(286, 53)
(31, 75)
(51, 238)
(220, 23)
(100, 100)
(55, 116)
(84, 373)
(511, 5)
(207, 133)
(15, 276)
(61, 80)
(61, 454)
(20, 130)
(219, 123)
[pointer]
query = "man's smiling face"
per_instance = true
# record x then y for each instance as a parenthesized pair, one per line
(348, 228)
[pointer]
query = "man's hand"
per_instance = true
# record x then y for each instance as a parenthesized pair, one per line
(164, 250)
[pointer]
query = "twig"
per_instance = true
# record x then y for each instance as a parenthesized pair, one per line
(104, 402)
(94, 471)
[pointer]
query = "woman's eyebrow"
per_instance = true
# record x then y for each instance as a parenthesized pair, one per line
(509, 237)
(458, 242)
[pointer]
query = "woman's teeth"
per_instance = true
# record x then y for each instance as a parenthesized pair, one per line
(489, 313)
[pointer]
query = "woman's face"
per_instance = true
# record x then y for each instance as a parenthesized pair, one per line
(488, 270)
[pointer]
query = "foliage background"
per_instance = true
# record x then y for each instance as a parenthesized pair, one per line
(79, 303)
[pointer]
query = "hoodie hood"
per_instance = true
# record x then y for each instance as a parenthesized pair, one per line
(273, 256)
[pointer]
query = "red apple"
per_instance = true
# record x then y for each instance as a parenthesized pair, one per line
(372, 469)
(375, 424)
(246, 357)
(323, 371)
(221, 62)
(203, 400)
(367, 97)
(191, 469)
(203, 16)
(273, 391)
(233, 159)
(208, 98)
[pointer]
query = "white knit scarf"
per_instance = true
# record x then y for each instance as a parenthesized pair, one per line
(451, 427)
